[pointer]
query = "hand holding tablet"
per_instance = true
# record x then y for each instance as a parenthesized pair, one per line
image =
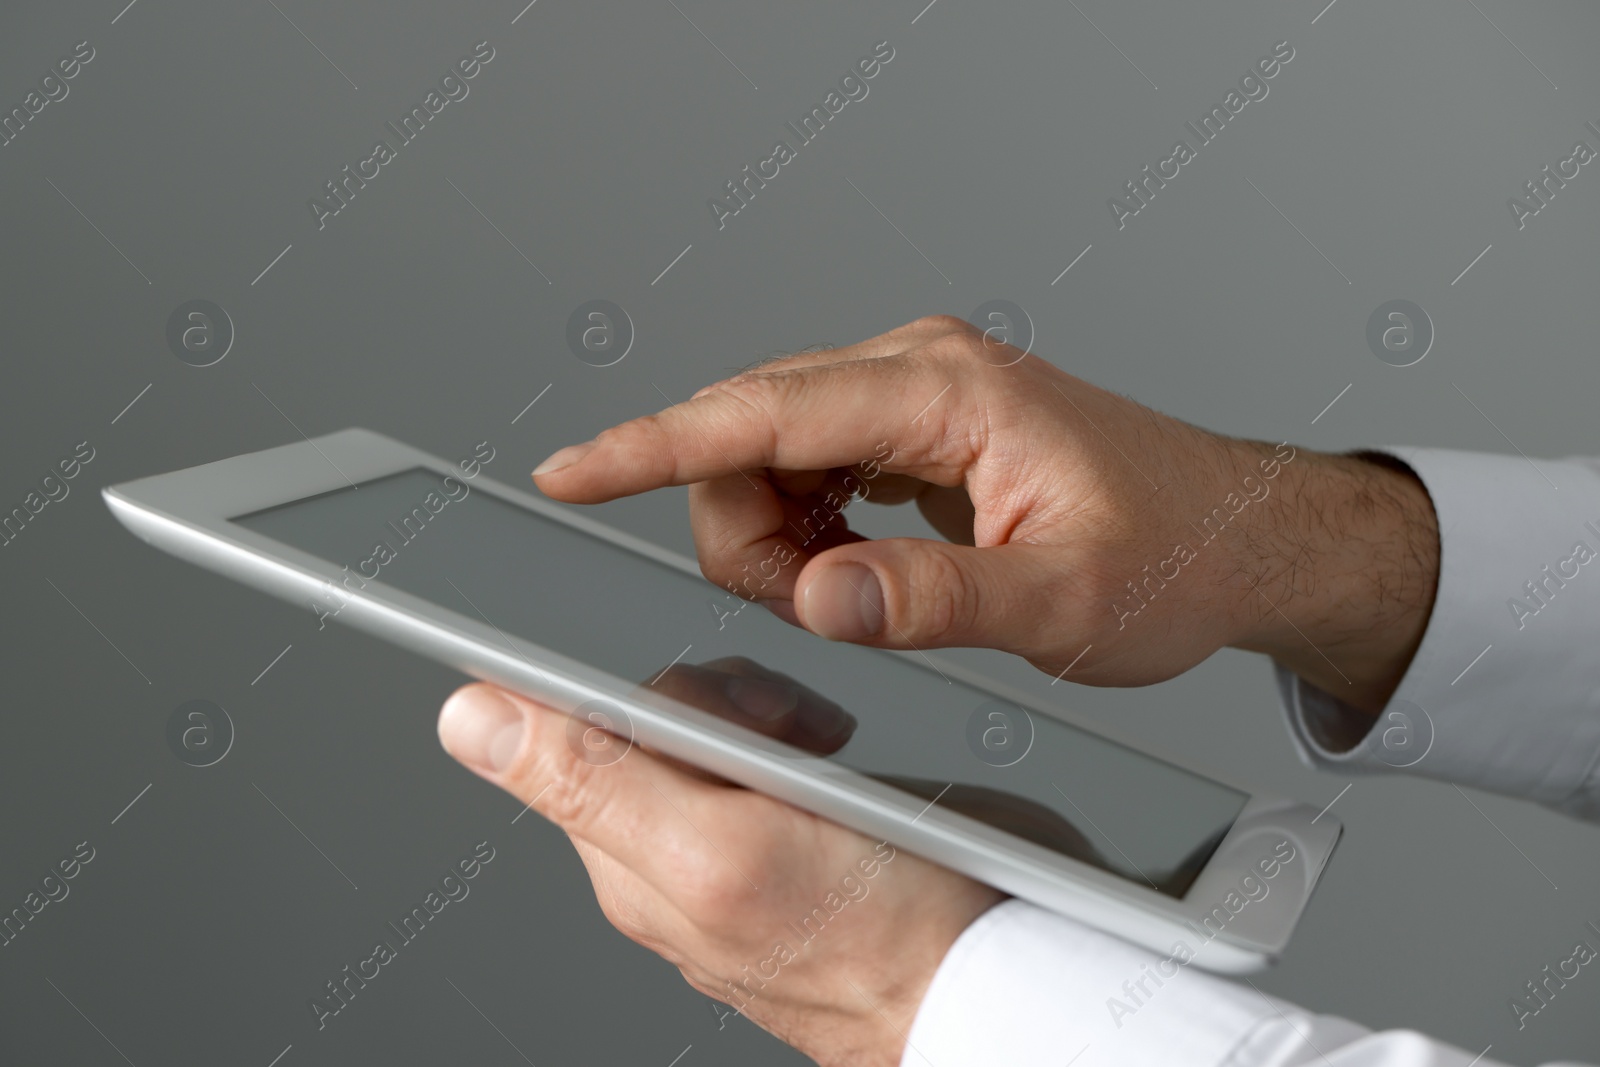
(820, 935)
(1102, 541)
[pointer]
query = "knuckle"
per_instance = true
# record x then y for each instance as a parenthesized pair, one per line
(781, 359)
(944, 598)
(624, 912)
(746, 404)
(568, 801)
(564, 785)
(756, 391)
(958, 347)
(947, 324)
(714, 891)
(731, 562)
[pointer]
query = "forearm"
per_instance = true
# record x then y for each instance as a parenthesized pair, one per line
(1340, 574)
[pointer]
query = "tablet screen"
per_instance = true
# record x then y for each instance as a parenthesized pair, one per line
(935, 737)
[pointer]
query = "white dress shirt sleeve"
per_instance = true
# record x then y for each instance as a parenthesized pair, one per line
(1023, 987)
(1501, 695)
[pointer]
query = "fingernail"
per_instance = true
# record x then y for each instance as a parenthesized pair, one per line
(845, 603)
(761, 699)
(481, 728)
(566, 457)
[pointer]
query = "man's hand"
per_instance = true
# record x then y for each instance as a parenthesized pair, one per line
(1087, 533)
(821, 936)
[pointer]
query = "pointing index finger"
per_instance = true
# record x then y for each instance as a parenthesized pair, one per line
(807, 418)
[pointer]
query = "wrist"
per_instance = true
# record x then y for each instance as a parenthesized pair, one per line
(872, 1010)
(863, 1022)
(1342, 574)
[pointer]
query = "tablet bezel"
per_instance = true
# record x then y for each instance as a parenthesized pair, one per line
(189, 513)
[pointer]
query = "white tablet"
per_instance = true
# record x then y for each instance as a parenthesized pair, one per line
(908, 748)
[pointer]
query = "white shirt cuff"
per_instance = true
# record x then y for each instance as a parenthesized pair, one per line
(1504, 692)
(1022, 986)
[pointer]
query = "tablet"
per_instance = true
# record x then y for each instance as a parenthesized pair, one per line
(626, 637)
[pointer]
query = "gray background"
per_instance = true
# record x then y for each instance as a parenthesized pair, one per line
(992, 140)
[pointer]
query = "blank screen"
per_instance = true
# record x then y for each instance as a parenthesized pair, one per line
(937, 738)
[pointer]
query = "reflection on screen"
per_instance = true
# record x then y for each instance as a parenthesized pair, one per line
(943, 741)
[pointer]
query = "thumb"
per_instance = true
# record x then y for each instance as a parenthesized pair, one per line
(907, 592)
